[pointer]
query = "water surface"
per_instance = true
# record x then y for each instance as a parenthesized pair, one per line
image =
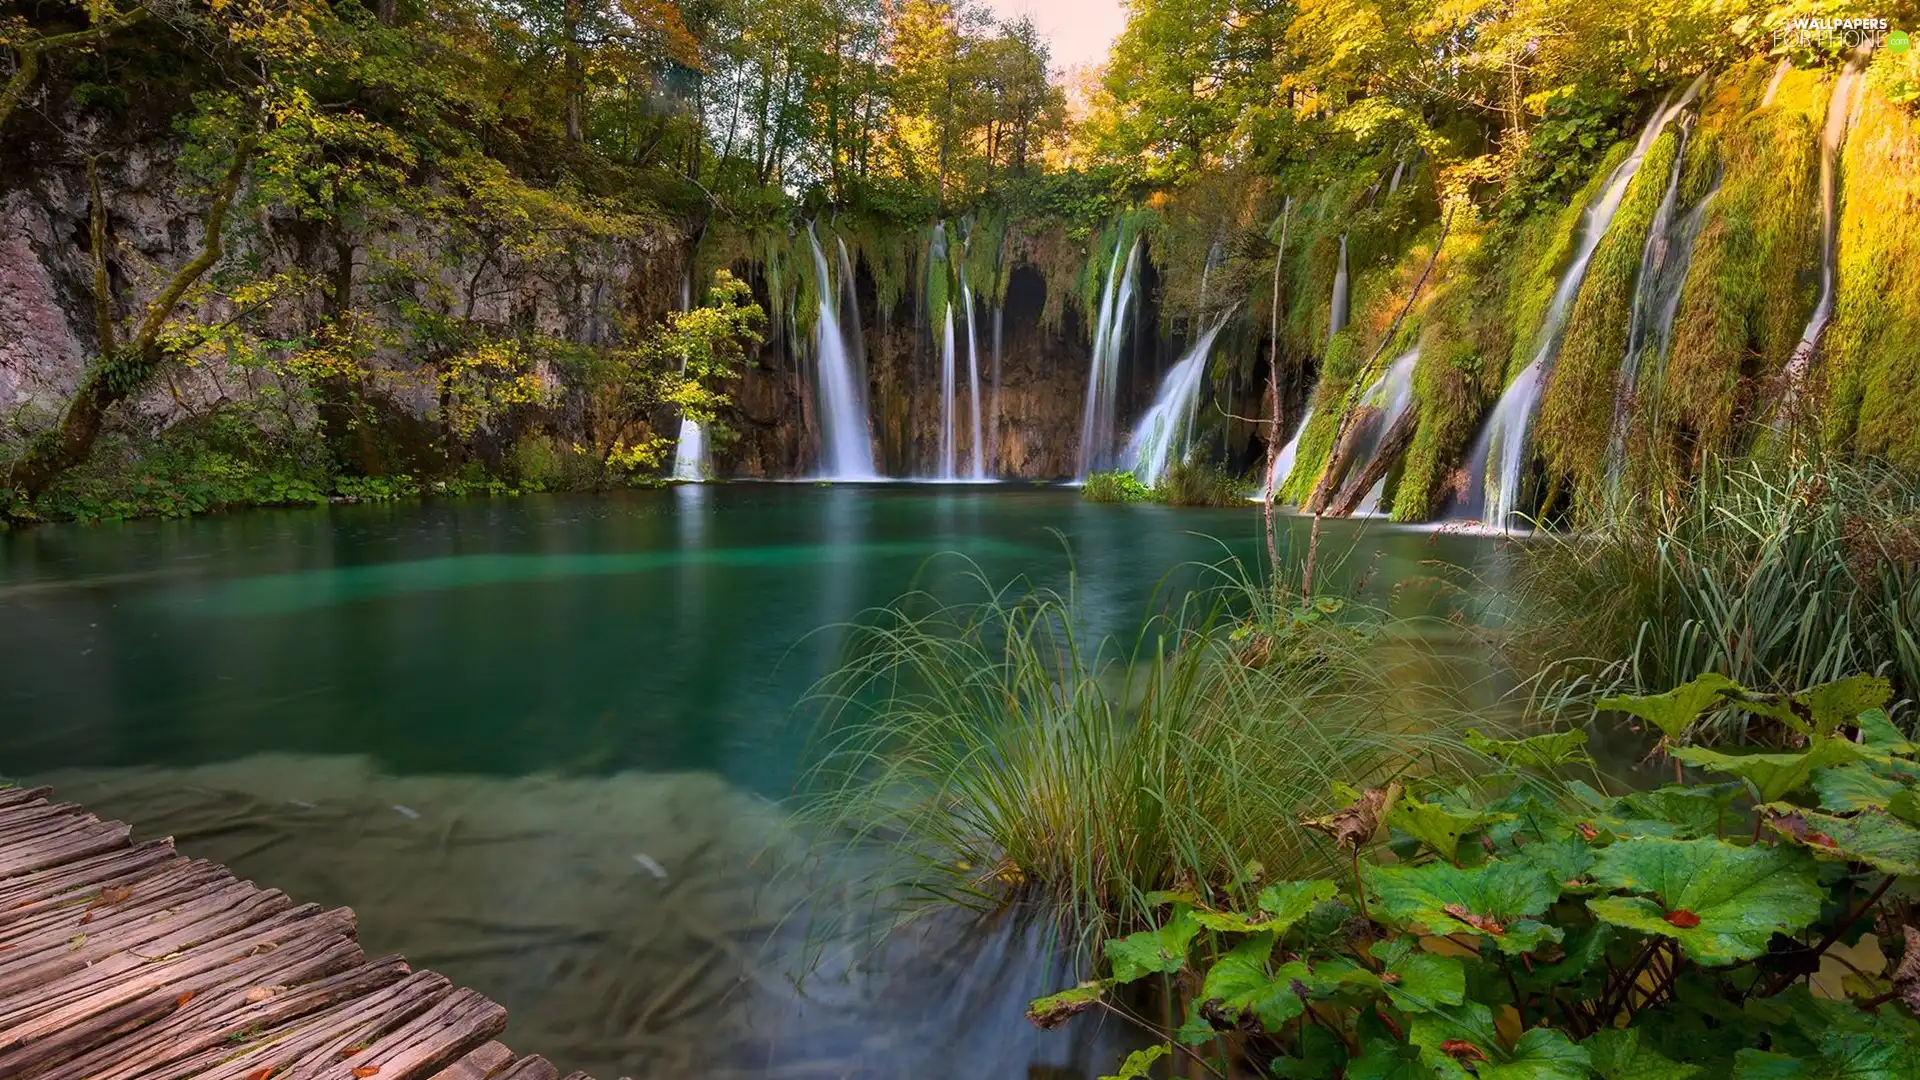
(536, 743)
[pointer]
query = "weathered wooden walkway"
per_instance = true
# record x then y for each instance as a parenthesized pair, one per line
(131, 962)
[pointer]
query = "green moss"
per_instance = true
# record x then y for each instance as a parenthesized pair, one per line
(1751, 282)
(1872, 348)
(1337, 373)
(1576, 411)
(1118, 486)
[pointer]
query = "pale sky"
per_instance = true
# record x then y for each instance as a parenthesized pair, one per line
(1078, 31)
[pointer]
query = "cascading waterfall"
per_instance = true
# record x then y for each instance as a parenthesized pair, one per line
(947, 444)
(846, 443)
(851, 296)
(1103, 375)
(1499, 453)
(1833, 139)
(993, 406)
(690, 450)
(973, 379)
(1656, 300)
(1337, 312)
(1389, 397)
(1170, 422)
(1283, 461)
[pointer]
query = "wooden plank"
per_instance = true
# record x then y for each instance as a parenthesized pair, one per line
(127, 976)
(26, 895)
(108, 867)
(14, 796)
(581, 1076)
(53, 924)
(76, 844)
(430, 1042)
(532, 1067)
(488, 1061)
(320, 1037)
(149, 995)
(152, 939)
(221, 1025)
(69, 938)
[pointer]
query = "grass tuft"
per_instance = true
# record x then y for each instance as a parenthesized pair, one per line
(997, 751)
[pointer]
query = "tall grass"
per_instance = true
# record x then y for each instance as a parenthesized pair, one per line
(998, 750)
(1200, 483)
(1781, 575)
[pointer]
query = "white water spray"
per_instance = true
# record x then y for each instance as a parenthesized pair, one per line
(690, 450)
(1103, 375)
(973, 379)
(1337, 312)
(1169, 423)
(1499, 454)
(846, 443)
(1833, 139)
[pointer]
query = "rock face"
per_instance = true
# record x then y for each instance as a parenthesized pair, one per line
(404, 272)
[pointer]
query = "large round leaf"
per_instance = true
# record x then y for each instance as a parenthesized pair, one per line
(1721, 902)
(1497, 900)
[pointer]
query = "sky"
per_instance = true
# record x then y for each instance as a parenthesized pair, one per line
(1079, 31)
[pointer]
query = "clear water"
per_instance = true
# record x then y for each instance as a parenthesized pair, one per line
(536, 743)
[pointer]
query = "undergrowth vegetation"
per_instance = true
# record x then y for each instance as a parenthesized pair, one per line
(1778, 575)
(1542, 929)
(1007, 748)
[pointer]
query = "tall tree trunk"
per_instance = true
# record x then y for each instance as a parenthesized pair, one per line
(1393, 444)
(121, 370)
(575, 75)
(1273, 399)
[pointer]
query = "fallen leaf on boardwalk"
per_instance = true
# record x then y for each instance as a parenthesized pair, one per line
(76, 941)
(183, 999)
(364, 1071)
(261, 993)
(351, 1050)
(261, 1074)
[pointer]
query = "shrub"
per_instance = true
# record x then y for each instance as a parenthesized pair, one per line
(1118, 486)
(1547, 931)
(1778, 575)
(1200, 483)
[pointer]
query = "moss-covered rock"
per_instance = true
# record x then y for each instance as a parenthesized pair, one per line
(1872, 349)
(1576, 410)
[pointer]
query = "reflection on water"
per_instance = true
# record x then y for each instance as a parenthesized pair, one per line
(490, 727)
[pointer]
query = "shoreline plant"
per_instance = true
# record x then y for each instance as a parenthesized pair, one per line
(1548, 931)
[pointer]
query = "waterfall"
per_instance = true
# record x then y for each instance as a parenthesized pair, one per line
(1499, 453)
(1773, 85)
(946, 400)
(1283, 461)
(1399, 170)
(846, 444)
(855, 328)
(993, 421)
(1170, 420)
(1656, 300)
(1832, 140)
(1103, 375)
(1389, 397)
(973, 379)
(1337, 311)
(690, 450)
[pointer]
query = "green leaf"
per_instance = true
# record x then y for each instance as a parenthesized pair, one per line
(1542, 1054)
(1241, 983)
(1873, 837)
(1497, 900)
(1681, 812)
(1841, 1055)
(1138, 1063)
(1584, 948)
(1878, 732)
(1469, 1023)
(1388, 1059)
(1674, 710)
(1283, 903)
(1830, 705)
(1741, 896)
(1417, 980)
(1774, 776)
(1151, 952)
(1537, 751)
(1321, 1055)
(1439, 827)
(1052, 1011)
(1618, 1055)
(1860, 786)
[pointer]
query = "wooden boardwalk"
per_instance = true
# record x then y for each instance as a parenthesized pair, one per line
(123, 961)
